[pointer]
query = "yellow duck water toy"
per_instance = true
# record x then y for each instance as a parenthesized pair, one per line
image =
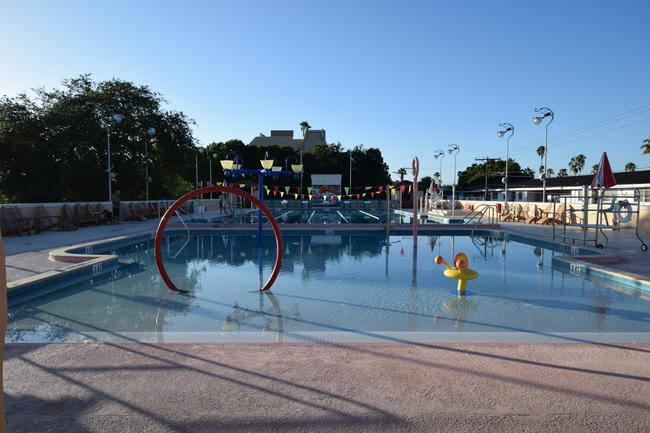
(460, 272)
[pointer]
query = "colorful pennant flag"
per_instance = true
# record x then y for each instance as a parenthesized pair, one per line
(347, 190)
(286, 189)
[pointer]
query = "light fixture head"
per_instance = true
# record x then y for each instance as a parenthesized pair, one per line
(201, 149)
(500, 134)
(297, 168)
(537, 120)
(151, 131)
(227, 164)
(266, 163)
(117, 117)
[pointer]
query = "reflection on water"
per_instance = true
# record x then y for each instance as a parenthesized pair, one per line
(357, 283)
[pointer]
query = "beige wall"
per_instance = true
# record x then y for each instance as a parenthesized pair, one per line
(577, 215)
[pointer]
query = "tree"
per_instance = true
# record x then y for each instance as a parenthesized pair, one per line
(54, 144)
(401, 172)
(630, 166)
(562, 172)
(475, 174)
(541, 150)
(424, 183)
(594, 168)
(577, 163)
(550, 172)
(646, 146)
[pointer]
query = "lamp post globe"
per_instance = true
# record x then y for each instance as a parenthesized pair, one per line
(537, 120)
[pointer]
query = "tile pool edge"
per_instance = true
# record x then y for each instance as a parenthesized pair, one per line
(387, 337)
(84, 265)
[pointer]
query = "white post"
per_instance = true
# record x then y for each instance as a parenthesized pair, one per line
(453, 190)
(545, 167)
(146, 170)
(108, 145)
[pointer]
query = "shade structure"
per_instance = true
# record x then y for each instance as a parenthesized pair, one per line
(604, 177)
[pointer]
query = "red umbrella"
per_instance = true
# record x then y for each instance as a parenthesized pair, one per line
(604, 177)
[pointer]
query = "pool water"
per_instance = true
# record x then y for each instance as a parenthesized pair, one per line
(364, 285)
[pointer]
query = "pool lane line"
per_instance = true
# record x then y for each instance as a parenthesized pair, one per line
(369, 214)
(312, 214)
(344, 218)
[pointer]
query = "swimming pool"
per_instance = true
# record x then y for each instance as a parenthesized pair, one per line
(296, 216)
(335, 287)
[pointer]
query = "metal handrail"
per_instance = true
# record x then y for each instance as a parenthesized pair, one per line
(477, 215)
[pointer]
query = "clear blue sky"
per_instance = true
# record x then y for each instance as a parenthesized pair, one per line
(404, 76)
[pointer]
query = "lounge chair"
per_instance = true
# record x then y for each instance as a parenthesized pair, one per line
(543, 214)
(101, 215)
(68, 218)
(82, 217)
(26, 224)
(47, 221)
(523, 214)
(556, 217)
(8, 225)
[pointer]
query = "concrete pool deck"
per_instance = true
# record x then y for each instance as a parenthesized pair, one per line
(383, 387)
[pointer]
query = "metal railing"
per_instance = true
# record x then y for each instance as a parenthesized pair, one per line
(477, 215)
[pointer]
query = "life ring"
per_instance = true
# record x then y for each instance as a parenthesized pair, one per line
(628, 212)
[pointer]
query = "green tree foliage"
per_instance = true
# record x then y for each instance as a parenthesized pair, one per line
(401, 172)
(645, 147)
(562, 172)
(630, 166)
(475, 174)
(577, 163)
(54, 143)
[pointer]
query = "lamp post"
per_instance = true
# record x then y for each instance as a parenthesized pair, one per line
(214, 155)
(196, 166)
(150, 133)
(545, 112)
(438, 153)
(117, 118)
(511, 129)
(453, 149)
(350, 184)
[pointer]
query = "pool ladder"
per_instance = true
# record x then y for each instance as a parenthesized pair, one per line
(477, 215)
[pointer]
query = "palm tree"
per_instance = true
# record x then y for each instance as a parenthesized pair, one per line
(594, 168)
(304, 127)
(646, 146)
(630, 166)
(550, 172)
(562, 172)
(401, 172)
(577, 163)
(540, 152)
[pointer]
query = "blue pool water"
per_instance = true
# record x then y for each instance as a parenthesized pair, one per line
(362, 285)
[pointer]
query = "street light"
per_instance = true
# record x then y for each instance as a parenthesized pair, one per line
(546, 112)
(438, 153)
(117, 118)
(150, 132)
(511, 129)
(196, 165)
(453, 149)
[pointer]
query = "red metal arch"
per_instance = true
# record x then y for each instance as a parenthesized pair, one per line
(170, 212)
